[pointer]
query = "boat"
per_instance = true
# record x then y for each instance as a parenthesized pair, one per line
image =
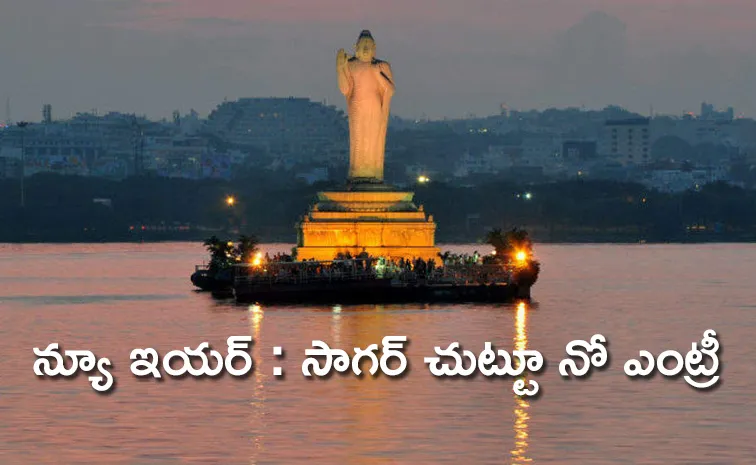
(218, 276)
(358, 281)
(241, 272)
(212, 281)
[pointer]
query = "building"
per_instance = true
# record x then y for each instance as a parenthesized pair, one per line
(578, 150)
(494, 160)
(540, 148)
(47, 113)
(676, 180)
(10, 162)
(280, 125)
(175, 157)
(61, 152)
(627, 141)
(708, 113)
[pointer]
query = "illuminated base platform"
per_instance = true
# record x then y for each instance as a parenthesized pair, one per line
(372, 218)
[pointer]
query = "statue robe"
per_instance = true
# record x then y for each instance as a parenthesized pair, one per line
(368, 88)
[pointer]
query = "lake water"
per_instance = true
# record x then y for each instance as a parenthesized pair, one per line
(113, 298)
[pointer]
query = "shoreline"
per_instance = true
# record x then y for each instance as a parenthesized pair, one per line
(607, 241)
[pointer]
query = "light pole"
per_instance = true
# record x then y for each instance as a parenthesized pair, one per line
(233, 211)
(23, 125)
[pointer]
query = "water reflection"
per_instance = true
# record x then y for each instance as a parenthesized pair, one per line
(257, 417)
(336, 324)
(255, 316)
(365, 411)
(521, 416)
(367, 399)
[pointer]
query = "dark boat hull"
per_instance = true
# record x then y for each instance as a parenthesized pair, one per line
(376, 292)
(212, 282)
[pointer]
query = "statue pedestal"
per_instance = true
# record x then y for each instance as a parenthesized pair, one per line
(370, 218)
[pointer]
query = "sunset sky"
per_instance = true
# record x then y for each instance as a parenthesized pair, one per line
(450, 57)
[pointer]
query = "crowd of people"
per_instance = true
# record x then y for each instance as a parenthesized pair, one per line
(286, 267)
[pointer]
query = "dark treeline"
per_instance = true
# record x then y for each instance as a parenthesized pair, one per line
(63, 209)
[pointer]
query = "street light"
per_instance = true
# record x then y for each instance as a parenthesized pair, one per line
(422, 179)
(232, 212)
(23, 125)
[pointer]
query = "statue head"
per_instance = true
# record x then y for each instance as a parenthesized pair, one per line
(365, 47)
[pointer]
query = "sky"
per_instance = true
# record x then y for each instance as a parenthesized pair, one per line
(450, 58)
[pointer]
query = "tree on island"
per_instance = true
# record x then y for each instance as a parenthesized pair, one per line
(246, 248)
(221, 253)
(510, 242)
(516, 246)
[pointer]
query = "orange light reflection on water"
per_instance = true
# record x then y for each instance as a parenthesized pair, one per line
(257, 418)
(521, 416)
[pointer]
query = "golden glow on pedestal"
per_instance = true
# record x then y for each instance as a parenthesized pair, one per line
(381, 223)
(521, 415)
(370, 218)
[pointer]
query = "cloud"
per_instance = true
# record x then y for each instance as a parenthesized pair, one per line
(449, 57)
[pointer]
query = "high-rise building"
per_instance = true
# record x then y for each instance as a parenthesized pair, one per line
(47, 113)
(627, 141)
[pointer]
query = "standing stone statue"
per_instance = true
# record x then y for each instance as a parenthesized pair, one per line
(368, 86)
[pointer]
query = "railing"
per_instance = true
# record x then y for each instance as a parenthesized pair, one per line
(471, 274)
(301, 273)
(356, 270)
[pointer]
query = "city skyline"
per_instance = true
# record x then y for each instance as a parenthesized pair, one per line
(47, 113)
(151, 58)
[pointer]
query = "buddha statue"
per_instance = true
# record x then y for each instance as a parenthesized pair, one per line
(367, 85)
